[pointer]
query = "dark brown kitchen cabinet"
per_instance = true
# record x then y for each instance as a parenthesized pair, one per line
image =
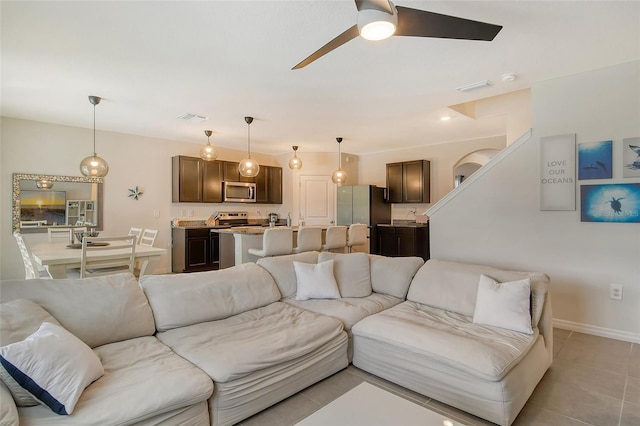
(232, 174)
(196, 180)
(403, 241)
(194, 250)
(269, 185)
(409, 182)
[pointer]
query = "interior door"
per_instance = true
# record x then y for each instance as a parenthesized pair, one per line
(317, 200)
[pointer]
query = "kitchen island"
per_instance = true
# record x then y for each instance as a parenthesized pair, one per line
(244, 238)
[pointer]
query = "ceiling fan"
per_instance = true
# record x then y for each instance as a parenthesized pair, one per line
(380, 19)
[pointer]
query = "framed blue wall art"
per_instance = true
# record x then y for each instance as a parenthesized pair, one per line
(595, 160)
(610, 203)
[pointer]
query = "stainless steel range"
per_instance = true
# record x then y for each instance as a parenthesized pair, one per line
(232, 218)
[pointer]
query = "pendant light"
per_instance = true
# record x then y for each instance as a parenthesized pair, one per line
(44, 184)
(208, 152)
(339, 176)
(295, 163)
(248, 167)
(94, 166)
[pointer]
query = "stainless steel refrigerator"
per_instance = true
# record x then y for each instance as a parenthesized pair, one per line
(363, 204)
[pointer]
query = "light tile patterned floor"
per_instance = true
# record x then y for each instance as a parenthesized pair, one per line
(593, 381)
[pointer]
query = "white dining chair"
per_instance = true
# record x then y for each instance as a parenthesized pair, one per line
(309, 239)
(148, 237)
(137, 232)
(336, 238)
(59, 233)
(357, 235)
(31, 268)
(275, 242)
(110, 262)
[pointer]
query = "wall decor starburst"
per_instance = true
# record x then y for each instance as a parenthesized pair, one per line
(135, 193)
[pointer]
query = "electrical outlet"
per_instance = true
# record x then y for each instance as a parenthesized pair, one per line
(615, 291)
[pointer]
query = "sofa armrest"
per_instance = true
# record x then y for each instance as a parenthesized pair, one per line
(545, 325)
(8, 409)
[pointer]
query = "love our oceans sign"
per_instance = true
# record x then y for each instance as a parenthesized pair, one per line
(558, 172)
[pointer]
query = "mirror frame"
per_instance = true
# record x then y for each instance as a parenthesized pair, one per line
(17, 177)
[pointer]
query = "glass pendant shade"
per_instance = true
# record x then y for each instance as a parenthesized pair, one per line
(295, 163)
(248, 167)
(208, 152)
(339, 176)
(44, 184)
(94, 166)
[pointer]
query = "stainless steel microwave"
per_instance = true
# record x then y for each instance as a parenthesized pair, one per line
(239, 192)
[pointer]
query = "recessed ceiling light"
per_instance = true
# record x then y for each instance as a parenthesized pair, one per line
(473, 86)
(192, 117)
(508, 77)
(445, 118)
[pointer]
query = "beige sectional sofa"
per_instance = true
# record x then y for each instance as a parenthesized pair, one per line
(216, 347)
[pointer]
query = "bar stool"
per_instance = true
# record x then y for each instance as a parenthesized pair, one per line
(309, 239)
(336, 238)
(275, 242)
(357, 235)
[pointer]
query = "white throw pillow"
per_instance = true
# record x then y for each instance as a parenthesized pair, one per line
(316, 281)
(505, 305)
(352, 272)
(53, 365)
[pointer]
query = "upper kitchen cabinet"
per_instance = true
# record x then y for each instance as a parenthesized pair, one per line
(196, 180)
(232, 174)
(269, 185)
(409, 182)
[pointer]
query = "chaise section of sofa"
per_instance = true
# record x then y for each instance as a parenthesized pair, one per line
(431, 344)
(368, 284)
(256, 349)
(144, 382)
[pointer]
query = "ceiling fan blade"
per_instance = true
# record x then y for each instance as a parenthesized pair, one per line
(421, 23)
(346, 36)
(382, 5)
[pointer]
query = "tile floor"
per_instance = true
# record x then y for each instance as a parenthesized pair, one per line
(593, 381)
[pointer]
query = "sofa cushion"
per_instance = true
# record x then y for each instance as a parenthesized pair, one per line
(393, 275)
(8, 410)
(19, 319)
(316, 281)
(349, 310)
(352, 272)
(240, 345)
(180, 300)
(142, 379)
(53, 365)
(505, 305)
(447, 340)
(281, 269)
(97, 310)
(453, 286)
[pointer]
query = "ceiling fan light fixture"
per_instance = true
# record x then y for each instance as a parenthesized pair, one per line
(208, 152)
(376, 24)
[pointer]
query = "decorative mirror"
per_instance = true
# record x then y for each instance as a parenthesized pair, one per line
(43, 201)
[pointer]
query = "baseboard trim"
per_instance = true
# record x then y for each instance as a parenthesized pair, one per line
(597, 331)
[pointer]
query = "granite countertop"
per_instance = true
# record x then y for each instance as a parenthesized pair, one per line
(404, 224)
(249, 230)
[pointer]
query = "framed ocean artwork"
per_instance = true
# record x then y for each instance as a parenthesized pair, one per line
(595, 160)
(631, 157)
(618, 202)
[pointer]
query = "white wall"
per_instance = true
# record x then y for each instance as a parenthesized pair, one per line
(36, 147)
(497, 219)
(443, 158)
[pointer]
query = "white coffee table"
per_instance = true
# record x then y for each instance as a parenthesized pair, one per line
(368, 405)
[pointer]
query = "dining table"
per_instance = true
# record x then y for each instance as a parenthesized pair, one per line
(58, 256)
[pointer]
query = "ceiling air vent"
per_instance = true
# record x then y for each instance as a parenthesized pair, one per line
(192, 117)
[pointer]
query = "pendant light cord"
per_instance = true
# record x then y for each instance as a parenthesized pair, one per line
(94, 130)
(248, 140)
